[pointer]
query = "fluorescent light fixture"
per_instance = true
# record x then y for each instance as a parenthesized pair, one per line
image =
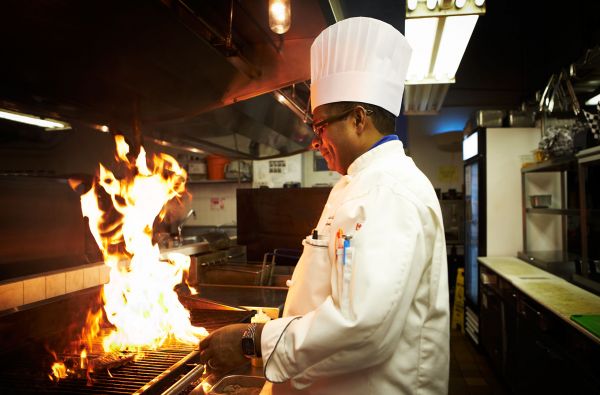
(48, 124)
(593, 101)
(420, 34)
(438, 32)
(455, 37)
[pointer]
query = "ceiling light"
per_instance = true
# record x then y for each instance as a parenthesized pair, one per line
(439, 38)
(593, 101)
(48, 124)
(479, 3)
(280, 15)
(431, 4)
(411, 4)
(455, 37)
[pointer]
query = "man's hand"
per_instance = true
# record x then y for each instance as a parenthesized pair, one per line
(221, 351)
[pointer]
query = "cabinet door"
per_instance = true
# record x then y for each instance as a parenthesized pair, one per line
(490, 326)
(542, 365)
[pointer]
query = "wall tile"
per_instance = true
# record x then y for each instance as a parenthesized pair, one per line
(91, 276)
(74, 280)
(11, 295)
(55, 285)
(34, 290)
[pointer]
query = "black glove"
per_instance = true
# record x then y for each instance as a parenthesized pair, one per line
(221, 351)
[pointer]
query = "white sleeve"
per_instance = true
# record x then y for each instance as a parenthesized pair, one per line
(390, 255)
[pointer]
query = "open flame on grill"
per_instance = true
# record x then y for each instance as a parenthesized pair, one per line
(139, 300)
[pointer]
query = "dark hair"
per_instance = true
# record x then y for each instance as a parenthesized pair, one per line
(384, 121)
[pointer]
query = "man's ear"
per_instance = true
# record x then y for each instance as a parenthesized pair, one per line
(360, 119)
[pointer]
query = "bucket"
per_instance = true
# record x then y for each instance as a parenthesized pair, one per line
(216, 166)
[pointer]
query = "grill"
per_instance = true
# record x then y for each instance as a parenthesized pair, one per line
(171, 369)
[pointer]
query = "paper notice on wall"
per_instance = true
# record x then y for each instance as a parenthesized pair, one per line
(274, 173)
(217, 203)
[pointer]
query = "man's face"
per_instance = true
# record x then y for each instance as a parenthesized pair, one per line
(335, 139)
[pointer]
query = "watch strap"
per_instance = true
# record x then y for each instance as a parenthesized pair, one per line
(249, 347)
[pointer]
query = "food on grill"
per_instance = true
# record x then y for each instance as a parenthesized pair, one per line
(110, 360)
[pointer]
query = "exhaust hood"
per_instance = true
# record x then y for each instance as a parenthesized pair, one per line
(189, 72)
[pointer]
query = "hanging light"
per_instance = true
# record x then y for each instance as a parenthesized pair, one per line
(280, 15)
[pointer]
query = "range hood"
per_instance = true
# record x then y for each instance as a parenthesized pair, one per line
(186, 71)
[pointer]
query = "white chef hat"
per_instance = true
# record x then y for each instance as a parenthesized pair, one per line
(361, 60)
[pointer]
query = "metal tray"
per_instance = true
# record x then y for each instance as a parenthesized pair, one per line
(240, 380)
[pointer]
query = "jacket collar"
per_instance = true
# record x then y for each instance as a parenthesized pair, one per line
(396, 147)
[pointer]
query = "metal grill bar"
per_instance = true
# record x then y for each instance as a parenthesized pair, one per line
(157, 371)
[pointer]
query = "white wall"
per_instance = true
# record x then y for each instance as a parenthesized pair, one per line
(214, 203)
(504, 147)
(434, 143)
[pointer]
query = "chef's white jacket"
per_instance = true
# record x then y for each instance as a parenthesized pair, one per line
(373, 317)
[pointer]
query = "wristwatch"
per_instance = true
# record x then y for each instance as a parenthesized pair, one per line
(249, 348)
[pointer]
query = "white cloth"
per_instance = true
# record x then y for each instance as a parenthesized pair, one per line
(378, 324)
(362, 60)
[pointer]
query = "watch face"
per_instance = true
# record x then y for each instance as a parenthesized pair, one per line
(248, 346)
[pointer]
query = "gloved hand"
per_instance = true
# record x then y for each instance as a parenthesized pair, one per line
(221, 351)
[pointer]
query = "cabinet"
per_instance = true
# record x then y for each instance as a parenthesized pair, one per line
(551, 233)
(530, 347)
(497, 323)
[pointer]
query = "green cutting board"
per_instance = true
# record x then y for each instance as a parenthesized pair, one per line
(591, 322)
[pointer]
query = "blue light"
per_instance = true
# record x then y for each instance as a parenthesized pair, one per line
(450, 120)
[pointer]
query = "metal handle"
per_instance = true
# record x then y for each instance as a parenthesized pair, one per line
(185, 381)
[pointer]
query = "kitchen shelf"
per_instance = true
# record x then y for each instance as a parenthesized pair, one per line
(538, 232)
(548, 210)
(556, 164)
(578, 214)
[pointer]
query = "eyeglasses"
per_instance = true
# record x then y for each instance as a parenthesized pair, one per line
(319, 126)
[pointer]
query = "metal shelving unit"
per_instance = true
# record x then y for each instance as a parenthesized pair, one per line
(588, 166)
(559, 261)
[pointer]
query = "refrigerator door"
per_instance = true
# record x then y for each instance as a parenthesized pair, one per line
(472, 217)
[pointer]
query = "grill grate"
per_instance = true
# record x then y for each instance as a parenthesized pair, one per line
(140, 376)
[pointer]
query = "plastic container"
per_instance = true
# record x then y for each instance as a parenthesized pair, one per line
(540, 201)
(216, 166)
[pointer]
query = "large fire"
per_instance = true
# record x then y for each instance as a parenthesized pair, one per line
(139, 300)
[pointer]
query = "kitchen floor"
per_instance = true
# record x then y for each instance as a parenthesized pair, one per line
(470, 371)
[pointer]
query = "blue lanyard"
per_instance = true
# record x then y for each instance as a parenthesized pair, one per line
(385, 139)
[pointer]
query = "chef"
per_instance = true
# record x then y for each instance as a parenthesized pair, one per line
(367, 309)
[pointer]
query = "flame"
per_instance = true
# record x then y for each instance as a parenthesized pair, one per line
(83, 359)
(139, 299)
(59, 370)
